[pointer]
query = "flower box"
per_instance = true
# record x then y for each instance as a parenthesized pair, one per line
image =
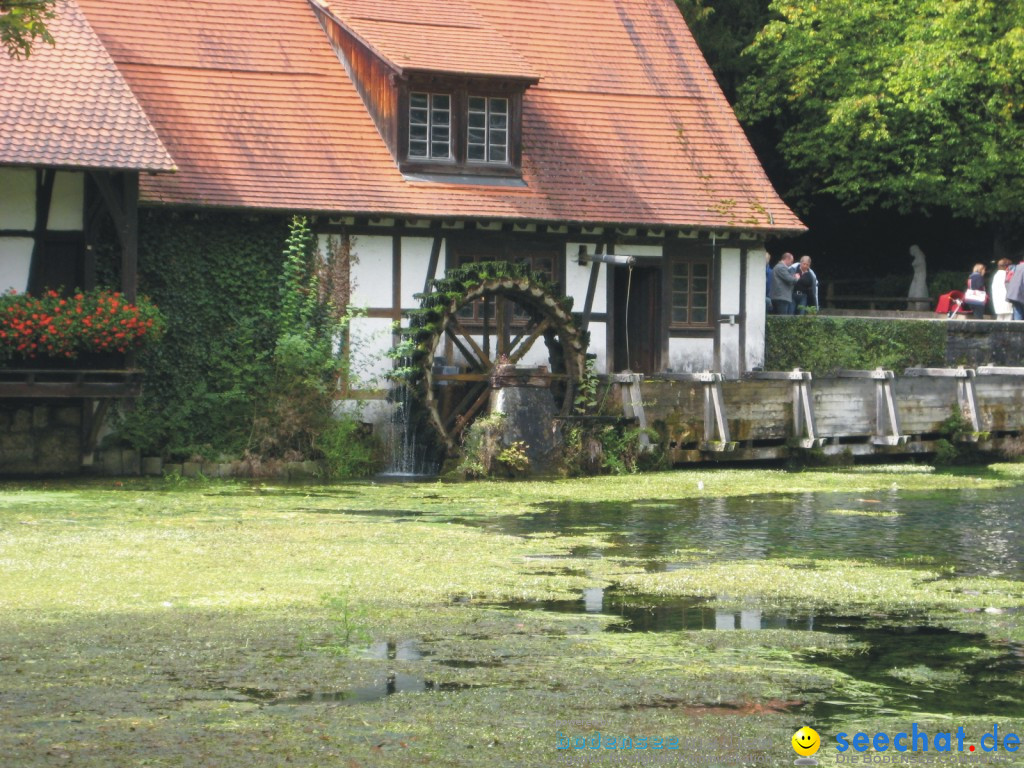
(89, 329)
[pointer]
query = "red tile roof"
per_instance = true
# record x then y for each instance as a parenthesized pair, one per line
(415, 35)
(68, 105)
(626, 125)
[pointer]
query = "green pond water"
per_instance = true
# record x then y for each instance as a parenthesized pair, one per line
(911, 663)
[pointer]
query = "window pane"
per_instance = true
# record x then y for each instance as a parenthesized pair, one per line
(440, 100)
(475, 152)
(700, 300)
(700, 284)
(678, 314)
(417, 149)
(418, 100)
(699, 316)
(477, 104)
(499, 106)
(439, 150)
(680, 284)
(701, 270)
(498, 155)
(477, 135)
(499, 122)
(477, 120)
(418, 132)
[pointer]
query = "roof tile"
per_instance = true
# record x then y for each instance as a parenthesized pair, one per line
(69, 106)
(626, 125)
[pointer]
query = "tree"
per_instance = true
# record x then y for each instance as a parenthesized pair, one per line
(723, 28)
(911, 105)
(23, 23)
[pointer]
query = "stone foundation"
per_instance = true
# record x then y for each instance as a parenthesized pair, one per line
(40, 438)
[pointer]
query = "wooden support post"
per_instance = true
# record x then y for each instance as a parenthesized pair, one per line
(887, 417)
(633, 405)
(588, 306)
(966, 398)
(804, 428)
(715, 423)
(435, 256)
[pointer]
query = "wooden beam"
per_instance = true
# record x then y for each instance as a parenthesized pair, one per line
(45, 178)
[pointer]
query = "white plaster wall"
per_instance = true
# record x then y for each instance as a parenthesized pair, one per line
(415, 262)
(599, 345)
(370, 339)
(577, 278)
(17, 198)
(691, 355)
(67, 204)
(729, 287)
(755, 309)
(371, 272)
(730, 349)
(15, 258)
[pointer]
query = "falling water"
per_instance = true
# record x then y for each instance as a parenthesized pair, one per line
(411, 454)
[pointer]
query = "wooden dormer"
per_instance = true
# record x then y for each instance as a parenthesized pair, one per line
(446, 96)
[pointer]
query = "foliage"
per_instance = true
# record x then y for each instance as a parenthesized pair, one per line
(87, 322)
(723, 29)
(296, 407)
(913, 105)
(957, 444)
(347, 449)
(23, 24)
(346, 625)
(482, 447)
(823, 344)
(216, 276)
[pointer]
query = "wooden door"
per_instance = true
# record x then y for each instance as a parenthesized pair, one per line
(638, 321)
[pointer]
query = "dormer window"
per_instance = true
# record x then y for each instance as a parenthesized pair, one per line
(457, 128)
(487, 138)
(448, 113)
(430, 126)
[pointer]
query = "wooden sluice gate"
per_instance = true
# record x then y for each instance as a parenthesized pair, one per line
(777, 414)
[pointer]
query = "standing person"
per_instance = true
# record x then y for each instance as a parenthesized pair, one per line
(975, 297)
(805, 292)
(1015, 290)
(782, 285)
(1002, 309)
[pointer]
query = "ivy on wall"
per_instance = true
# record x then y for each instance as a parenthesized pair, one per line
(823, 344)
(216, 277)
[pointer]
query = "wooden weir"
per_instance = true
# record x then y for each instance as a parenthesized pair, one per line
(775, 414)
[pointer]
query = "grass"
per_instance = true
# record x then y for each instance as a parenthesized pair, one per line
(174, 623)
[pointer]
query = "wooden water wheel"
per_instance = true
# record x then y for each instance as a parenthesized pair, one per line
(476, 325)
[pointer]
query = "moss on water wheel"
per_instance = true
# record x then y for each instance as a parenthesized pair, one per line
(540, 314)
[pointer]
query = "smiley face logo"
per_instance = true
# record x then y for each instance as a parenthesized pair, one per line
(806, 741)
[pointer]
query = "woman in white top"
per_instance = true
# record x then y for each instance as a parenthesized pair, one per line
(1002, 308)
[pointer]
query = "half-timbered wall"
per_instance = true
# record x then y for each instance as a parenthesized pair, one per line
(391, 262)
(19, 227)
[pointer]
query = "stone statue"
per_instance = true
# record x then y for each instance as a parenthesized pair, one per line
(918, 294)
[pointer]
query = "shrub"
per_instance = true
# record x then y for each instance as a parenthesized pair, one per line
(824, 344)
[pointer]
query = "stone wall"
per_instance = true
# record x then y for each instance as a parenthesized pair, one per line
(40, 438)
(984, 342)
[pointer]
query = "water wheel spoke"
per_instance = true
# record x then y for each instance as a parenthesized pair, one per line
(484, 360)
(463, 419)
(472, 393)
(525, 346)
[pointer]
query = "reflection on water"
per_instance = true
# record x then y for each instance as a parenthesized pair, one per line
(975, 532)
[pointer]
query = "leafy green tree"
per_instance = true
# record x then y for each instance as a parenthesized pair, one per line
(912, 105)
(22, 24)
(723, 28)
